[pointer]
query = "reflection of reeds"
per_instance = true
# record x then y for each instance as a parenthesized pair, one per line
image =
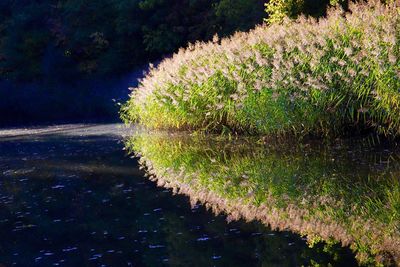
(314, 190)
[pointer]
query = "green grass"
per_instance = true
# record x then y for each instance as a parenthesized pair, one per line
(341, 193)
(321, 77)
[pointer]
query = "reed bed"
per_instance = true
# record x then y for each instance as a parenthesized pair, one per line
(303, 76)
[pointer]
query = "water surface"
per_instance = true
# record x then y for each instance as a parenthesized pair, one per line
(71, 196)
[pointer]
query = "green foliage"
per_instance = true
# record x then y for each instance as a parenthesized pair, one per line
(277, 10)
(303, 77)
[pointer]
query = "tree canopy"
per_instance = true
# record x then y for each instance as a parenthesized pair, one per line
(73, 37)
(70, 38)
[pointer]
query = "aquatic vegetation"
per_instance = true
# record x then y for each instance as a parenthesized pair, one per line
(347, 193)
(304, 76)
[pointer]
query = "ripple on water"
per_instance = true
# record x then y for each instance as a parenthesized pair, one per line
(156, 246)
(201, 239)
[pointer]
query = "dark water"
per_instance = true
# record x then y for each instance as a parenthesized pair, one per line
(70, 196)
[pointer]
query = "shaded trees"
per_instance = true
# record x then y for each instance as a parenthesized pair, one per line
(71, 38)
(74, 38)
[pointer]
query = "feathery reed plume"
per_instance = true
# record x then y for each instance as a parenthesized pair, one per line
(301, 76)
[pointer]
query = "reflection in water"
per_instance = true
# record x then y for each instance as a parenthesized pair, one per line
(69, 196)
(346, 192)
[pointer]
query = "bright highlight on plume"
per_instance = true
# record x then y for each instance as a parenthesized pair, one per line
(302, 76)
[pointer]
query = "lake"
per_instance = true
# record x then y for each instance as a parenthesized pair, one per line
(106, 195)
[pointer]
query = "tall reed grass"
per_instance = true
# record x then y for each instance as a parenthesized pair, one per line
(305, 77)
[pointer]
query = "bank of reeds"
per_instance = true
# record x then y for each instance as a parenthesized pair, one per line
(304, 76)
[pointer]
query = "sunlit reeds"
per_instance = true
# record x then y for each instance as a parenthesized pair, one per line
(302, 76)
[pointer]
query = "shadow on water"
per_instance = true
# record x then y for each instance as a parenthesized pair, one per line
(70, 196)
(344, 193)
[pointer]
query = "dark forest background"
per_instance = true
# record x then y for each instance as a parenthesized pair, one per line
(72, 60)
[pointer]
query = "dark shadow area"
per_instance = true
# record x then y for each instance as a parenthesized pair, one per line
(86, 100)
